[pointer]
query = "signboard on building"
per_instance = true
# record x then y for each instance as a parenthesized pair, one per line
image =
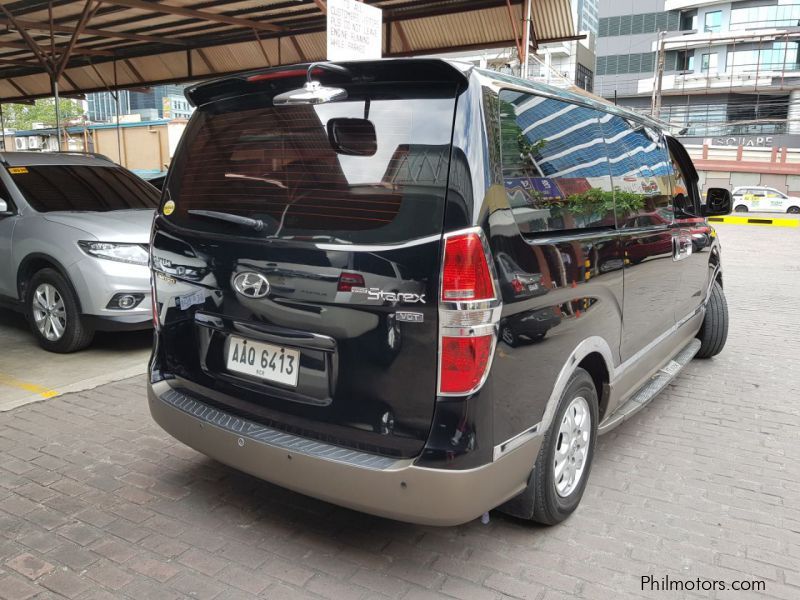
(166, 107)
(354, 30)
(756, 141)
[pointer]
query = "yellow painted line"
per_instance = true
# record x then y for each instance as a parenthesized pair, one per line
(28, 387)
(756, 221)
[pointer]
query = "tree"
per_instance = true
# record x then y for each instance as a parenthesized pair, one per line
(23, 116)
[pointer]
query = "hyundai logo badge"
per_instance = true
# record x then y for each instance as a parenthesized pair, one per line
(251, 285)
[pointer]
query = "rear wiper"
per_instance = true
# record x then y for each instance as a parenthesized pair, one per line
(256, 224)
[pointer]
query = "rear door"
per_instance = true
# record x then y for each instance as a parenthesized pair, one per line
(323, 318)
(640, 168)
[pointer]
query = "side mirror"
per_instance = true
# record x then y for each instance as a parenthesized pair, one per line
(718, 202)
(4, 212)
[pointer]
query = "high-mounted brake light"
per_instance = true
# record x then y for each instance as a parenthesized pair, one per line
(286, 73)
(347, 281)
(469, 311)
(465, 273)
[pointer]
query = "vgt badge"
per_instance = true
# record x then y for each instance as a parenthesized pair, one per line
(251, 285)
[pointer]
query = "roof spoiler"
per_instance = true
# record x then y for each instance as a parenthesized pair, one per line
(280, 79)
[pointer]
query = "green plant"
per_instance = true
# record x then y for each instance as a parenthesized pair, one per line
(592, 202)
(527, 149)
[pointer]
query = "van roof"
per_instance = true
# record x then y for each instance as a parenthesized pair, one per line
(416, 69)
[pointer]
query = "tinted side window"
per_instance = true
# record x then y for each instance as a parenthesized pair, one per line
(555, 165)
(80, 187)
(642, 171)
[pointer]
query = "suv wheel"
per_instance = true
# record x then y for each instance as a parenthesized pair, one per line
(53, 314)
(740, 208)
(508, 336)
(793, 210)
(714, 331)
(562, 468)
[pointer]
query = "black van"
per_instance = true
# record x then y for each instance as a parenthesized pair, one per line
(419, 289)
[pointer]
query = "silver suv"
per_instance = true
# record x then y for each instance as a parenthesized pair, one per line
(74, 230)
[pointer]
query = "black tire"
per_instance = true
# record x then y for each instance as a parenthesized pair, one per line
(793, 210)
(76, 335)
(540, 502)
(508, 336)
(740, 208)
(714, 332)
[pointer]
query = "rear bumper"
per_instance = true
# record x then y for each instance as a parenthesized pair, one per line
(383, 486)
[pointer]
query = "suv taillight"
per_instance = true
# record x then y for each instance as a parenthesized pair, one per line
(465, 271)
(347, 281)
(468, 314)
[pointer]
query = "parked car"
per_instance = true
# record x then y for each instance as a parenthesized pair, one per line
(501, 205)
(764, 199)
(74, 231)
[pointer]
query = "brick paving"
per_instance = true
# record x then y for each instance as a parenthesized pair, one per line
(97, 502)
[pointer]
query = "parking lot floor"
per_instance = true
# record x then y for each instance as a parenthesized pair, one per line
(97, 502)
(29, 374)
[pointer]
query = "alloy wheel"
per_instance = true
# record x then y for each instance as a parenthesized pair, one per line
(572, 446)
(49, 312)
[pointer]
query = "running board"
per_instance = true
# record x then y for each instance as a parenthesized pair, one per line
(651, 388)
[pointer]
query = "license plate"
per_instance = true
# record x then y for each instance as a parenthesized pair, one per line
(266, 361)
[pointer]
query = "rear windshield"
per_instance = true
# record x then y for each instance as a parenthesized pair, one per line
(82, 188)
(279, 165)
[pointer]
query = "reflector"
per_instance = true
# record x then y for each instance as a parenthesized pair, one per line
(464, 362)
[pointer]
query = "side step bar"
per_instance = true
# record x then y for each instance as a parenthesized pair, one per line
(651, 388)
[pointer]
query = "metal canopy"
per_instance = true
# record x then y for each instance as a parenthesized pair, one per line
(96, 45)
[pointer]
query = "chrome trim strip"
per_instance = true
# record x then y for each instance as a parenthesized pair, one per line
(618, 371)
(515, 442)
(378, 247)
(248, 430)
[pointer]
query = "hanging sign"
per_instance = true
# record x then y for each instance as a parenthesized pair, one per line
(354, 30)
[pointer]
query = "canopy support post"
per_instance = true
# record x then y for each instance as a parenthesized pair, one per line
(526, 39)
(3, 127)
(116, 100)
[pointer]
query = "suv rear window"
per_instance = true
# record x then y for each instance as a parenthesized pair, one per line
(82, 188)
(277, 164)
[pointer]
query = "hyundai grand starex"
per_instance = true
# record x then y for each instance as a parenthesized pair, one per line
(422, 290)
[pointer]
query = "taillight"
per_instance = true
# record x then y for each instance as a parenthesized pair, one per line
(347, 281)
(469, 311)
(518, 286)
(465, 272)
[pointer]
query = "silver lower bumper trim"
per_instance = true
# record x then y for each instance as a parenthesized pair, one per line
(397, 489)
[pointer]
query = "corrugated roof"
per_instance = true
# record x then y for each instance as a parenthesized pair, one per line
(130, 43)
